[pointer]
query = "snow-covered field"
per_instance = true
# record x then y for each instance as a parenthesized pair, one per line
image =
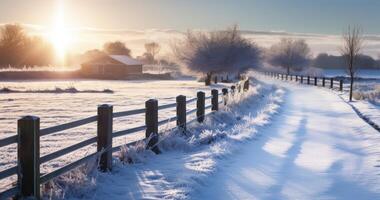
(366, 93)
(58, 108)
(362, 73)
(186, 162)
(281, 141)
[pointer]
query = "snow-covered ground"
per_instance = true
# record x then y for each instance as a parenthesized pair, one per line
(316, 148)
(282, 140)
(299, 142)
(362, 73)
(366, 99)
(58, 108)
(186, 162)
(366, 95)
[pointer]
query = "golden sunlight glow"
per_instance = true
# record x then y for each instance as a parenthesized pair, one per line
(59, 34)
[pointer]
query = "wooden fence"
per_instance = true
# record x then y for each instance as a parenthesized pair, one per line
(28, 136)
(309, 80)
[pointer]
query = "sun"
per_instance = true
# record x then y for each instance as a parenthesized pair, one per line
(59, 35)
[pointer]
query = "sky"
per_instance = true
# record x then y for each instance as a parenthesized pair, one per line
(92, 22)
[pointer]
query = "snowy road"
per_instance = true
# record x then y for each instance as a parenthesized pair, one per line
(305, 143)
(316, 148)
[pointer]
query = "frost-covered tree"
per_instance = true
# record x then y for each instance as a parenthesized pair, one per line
(152, 49)
(217, 52)
(290, 54)
(352, 45)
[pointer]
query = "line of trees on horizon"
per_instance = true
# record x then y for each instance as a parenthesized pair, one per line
(224, 51)
(19, 50)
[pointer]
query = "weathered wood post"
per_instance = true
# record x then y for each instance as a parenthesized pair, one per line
(331, 83)
(315, 81)
(296, 78)
(200, 106)
(233, 89)
(323, 82)
(104, 137)
(216, 79)
(308, 80)
(225, 95)
(246, 85)
(28, 156)
(151, 122)
(291, 78)
(214, 100)
(181, 112)
(282, 77)
(301, 79)
(341, 85)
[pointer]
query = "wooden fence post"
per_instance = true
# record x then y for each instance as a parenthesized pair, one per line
(200, 106)
(28, 155)
(233, 90)
(214, 99)
(315, 81)
(181, 112)
(323, 82)
(104, 139)
(246, 85)
(225, 95)
(308, 80)
(296, 78)
(291, 78)
(341, 85)
(151, 121)
(301, 79)
(331, 83)
(216, 79)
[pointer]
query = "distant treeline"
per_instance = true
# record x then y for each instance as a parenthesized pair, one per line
(326, 61)
(18, 50)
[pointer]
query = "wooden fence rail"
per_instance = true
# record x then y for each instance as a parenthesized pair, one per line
(316, 81)
(29, 133)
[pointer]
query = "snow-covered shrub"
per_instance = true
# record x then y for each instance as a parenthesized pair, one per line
(82, 178)
(372, 96)
(136, 153)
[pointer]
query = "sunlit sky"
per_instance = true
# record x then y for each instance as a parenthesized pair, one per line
(82, 24)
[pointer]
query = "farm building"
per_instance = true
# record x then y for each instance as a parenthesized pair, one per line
(111, 66)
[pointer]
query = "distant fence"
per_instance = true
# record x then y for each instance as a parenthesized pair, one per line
(309, 80)
(28, 136)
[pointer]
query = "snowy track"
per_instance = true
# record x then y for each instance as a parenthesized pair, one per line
(316, 148)
(313, 146)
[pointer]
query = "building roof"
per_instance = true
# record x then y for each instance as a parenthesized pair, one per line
(125, 59)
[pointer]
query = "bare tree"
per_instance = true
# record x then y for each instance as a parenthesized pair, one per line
(116, 47)
(352, 45)
(290, 54)
(152, 49)
(223, 51)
